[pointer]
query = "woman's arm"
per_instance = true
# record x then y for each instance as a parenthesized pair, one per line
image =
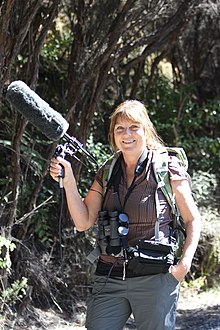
(191, 218)
(83, 212)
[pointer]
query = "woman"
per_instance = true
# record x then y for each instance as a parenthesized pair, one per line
(118, 292)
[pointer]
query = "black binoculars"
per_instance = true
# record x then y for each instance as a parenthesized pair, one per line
(112, 227)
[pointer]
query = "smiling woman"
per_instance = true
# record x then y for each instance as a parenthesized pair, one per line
(133, 194)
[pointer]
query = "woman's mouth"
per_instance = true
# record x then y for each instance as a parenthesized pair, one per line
(128, 141)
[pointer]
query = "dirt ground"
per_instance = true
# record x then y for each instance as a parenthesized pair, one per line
(196, 311)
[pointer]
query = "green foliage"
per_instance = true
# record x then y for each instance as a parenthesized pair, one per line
(212, 260)
(56, 46)
(199, 134)
(15, 292)
(43, 229)
(6, 246)
(11, 294)
(204, 184)
(209, 247)
(181, 121)
(101, 153)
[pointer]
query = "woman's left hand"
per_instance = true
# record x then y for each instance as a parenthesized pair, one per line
(179, 271)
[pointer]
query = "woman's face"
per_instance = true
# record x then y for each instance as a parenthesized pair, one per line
(129, 136)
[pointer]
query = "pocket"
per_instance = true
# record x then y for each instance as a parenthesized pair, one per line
(99, 284)
(171, 278)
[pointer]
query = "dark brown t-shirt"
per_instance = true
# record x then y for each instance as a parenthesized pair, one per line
(140, 205)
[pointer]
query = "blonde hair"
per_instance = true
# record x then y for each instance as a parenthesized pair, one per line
(135, 111)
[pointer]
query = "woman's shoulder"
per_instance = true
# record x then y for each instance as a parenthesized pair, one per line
(173, 160)
(105, 170)
(176, 168)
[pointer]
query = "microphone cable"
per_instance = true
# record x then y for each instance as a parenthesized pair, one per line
(60, 234)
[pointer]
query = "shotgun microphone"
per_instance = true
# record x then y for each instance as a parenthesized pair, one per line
(37, 111)
(42, 116)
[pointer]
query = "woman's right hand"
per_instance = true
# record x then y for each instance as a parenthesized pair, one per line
(57, 165)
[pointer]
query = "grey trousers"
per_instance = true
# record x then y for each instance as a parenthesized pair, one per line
(152, 299)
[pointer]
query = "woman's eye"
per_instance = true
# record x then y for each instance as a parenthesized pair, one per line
(134, 127)
(119, 128)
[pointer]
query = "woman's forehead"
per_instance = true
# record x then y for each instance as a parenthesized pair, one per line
(125, 119)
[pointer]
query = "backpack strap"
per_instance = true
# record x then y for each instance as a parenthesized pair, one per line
(160, 167)
(180, 154)
(107, 171)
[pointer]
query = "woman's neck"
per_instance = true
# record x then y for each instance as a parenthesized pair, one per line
(131, 160)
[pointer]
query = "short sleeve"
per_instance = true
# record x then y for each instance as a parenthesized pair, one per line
(106, 166)
(99, 176)
(176, 170)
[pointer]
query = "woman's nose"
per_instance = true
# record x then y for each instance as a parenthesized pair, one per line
(127, 130)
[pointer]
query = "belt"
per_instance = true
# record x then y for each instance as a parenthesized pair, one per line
(117, 261)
